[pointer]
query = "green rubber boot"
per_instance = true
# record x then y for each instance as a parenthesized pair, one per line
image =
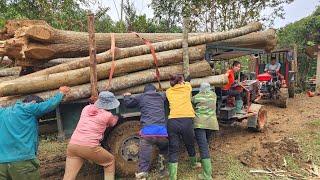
(173, 170)
(239, 104)
(207, 169)
(194, 163)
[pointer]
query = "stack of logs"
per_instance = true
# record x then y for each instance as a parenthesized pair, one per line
(62, 58)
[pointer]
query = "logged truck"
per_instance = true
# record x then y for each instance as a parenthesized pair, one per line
(123, 139)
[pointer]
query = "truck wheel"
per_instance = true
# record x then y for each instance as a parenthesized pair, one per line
(261, 114)
(282, 101)
(124, 145)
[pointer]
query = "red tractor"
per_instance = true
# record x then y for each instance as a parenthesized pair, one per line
(273, 86)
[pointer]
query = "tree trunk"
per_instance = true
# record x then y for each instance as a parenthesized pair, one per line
(80, 76)
(217, 81)
(144, 49)
(7, 78)
(11, 26)
(199, 69)
(14, 71)
(44, 42)
(265, 40)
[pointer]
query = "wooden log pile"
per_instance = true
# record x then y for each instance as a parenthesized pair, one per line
(63, 57)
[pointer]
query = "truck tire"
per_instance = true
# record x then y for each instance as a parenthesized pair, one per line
(124, 145)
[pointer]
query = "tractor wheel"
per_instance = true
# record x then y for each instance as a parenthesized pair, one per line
(261, 114)
(282, 101)
(291, 90)
(124, 145)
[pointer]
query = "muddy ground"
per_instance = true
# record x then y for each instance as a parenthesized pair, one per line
(289, 147)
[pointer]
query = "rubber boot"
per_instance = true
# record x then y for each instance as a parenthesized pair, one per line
(239, 104)
(173, 170)
(194, 163)
(207, 169)
(141, 176)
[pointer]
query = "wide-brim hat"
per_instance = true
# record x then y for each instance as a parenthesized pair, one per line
(205, 87)
(107, 100)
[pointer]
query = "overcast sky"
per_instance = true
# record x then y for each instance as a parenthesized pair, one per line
(293, 12)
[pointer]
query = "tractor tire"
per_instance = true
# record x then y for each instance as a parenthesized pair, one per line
(124, 145)
(291, 90)
(283, 99)
(261, 114)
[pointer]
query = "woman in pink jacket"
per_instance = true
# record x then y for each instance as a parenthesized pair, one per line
(85, 140)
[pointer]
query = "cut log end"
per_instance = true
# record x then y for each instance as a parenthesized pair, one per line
(38, 52)
(41, 33)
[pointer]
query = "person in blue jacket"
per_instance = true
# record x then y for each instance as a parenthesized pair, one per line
(153, 131)
(19, 135)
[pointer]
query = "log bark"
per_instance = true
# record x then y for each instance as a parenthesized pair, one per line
(144, 49)
(265, 40)
(216, 81)
(66, 44)
(14, 71)
(7, 78)
(199, 69)
(230, 43)
(80, 76)
(11, 26)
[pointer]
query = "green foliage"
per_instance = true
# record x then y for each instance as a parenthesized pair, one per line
(217, 15)
(303, 33)
(66, 14)
(72, 15)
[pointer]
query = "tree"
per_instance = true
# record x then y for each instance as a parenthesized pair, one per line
(219, 15)
(303, 33)
(66, 14)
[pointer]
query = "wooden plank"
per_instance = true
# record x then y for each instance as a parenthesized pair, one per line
(186, 21)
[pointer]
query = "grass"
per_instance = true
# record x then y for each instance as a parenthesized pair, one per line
(292, 164)
(235, 170)
(50, 147)
(225, 167)
(315, 122)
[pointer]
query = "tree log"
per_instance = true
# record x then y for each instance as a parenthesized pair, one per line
(257, 40)
(11, 26)
(7, 78)
(14, 71)
(263, 43)
(144, 49)
(199, 69)
(81, 76)
(216, 81)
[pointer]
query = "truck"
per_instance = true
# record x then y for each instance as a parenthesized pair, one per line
(122, 140)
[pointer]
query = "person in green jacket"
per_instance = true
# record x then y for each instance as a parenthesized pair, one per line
(204, 122)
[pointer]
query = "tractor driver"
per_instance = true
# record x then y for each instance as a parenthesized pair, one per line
(230, 88)
(275, 66)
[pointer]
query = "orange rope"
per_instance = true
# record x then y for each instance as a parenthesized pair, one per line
(113, 65)
(155, 59)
